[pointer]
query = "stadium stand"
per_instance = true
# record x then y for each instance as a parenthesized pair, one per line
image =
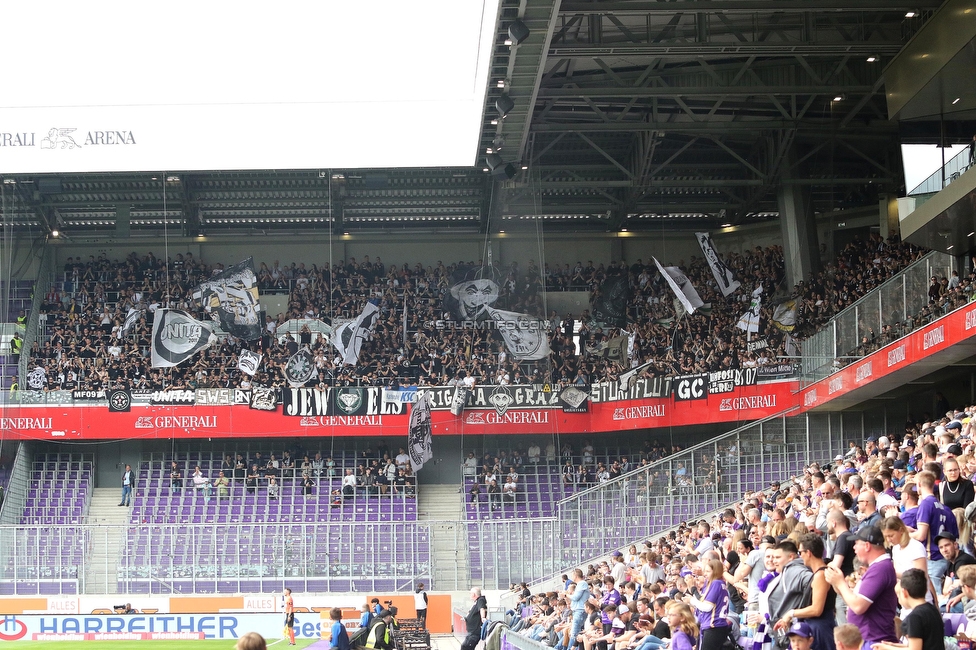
(84, 311)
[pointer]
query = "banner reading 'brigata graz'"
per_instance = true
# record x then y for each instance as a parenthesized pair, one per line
(517, 410)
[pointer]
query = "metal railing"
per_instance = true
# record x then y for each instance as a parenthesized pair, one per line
(887, 313)
(939, 179)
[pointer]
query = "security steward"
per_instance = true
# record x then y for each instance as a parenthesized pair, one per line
(379, 636)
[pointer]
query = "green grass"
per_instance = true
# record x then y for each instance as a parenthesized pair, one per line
(209, 644)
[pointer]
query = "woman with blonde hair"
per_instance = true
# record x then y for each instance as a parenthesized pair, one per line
(713, 607)
(906, 553)
(684, 629)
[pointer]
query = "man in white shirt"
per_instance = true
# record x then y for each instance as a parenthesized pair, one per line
(349, 484)
(402, 459)
(470, 465)
(534, 453)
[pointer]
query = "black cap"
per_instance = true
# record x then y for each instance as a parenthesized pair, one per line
(945, 535)
(899, 464)
(954, 449)
(384, 613)
(871, 535)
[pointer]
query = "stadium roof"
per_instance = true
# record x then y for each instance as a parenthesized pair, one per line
(626, 114)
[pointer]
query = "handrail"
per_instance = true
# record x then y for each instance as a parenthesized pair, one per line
(670, 457)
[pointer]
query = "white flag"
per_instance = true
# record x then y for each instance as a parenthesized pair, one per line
(525, 336)
(749, 322)
(419, 439)
(130, 322)
(723, 275)
(348, 337)
(248, 361)
(177, 336)
(681, 286)
(784, 316)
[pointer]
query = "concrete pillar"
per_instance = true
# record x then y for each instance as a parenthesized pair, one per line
(798, 226)
(888, 214)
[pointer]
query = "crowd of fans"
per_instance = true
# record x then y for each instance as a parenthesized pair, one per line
(81, 346)
(874, 548)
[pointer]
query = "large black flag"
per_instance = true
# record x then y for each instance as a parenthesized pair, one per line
(610, 305)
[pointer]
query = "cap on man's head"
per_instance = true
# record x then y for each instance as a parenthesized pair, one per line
(801, 628)
(883, 440)
(871, 535)
(945, 535)
(899, 464)
(871, 439)
(616, 554)
(838, 458)
(954, 449)
(955, 424)
(384, 613)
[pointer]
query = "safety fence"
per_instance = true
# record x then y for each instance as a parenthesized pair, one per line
(889, 312)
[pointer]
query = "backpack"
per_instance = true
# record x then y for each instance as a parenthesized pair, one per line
(358, 640)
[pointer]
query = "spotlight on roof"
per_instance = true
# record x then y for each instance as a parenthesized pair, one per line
(910, 14)
(872, 58)
(839, 98)
(504, 105)
(55, 233)
(518, 32)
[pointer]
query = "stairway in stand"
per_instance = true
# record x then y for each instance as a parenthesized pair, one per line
(109, 522)
(441, 506)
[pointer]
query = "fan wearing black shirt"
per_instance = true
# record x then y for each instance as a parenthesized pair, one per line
(923, 627)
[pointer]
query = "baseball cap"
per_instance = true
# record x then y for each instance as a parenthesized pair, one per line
(954, 449)
(871, 535)
(838, 458)
(945, 535)
(617, 554)
(384, 613)
(955, 424)
(899, 464)
(871, 439)
(883, 440)
(801, 628)
(623, 609)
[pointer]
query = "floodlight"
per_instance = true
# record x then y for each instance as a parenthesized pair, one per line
(504, 105)
(518, 32)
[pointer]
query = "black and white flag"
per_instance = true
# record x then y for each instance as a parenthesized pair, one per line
(419, 439)
(231, 297)
(130, 322)
(263, 398)
(348, 337)
(749, 321)
(723, 275)
(177, 336)
(459, 399)
(681, 286)
(249, 362)
(37, 378)
(629, 378)
(609, 306)
(299, 368)
(525, 336)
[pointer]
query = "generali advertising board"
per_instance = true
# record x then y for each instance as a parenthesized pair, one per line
(490, 409)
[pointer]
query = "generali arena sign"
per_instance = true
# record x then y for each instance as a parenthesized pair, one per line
(679, 401)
